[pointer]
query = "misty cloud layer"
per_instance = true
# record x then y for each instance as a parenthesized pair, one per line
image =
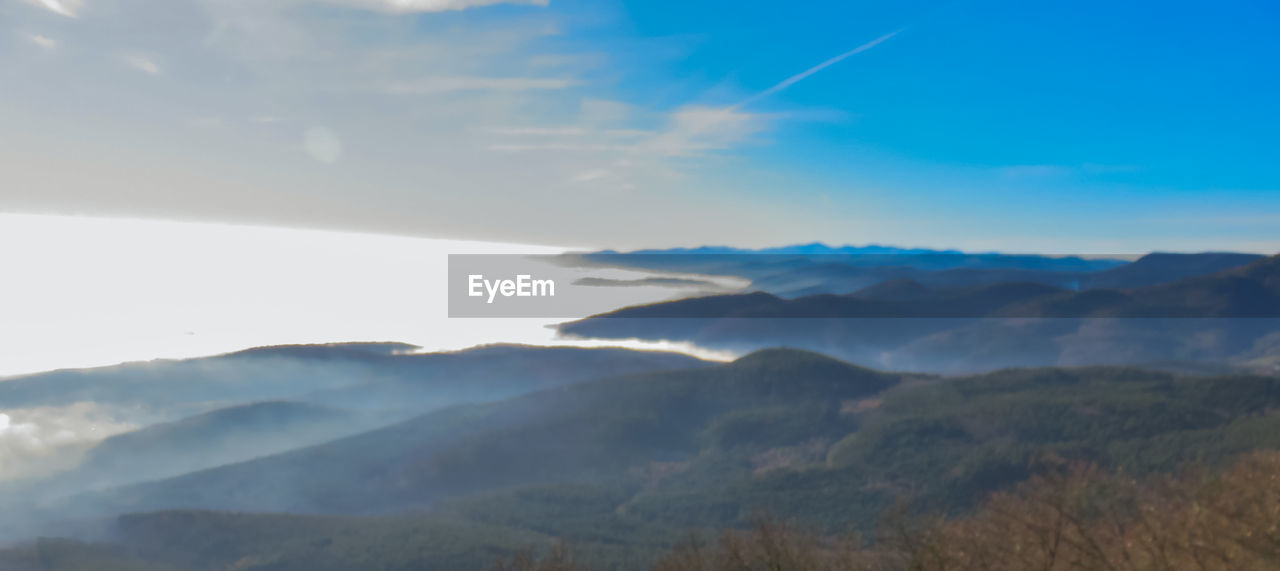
(42, 440)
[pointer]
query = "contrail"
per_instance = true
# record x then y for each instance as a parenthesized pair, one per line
(725, 114)
(797, 78)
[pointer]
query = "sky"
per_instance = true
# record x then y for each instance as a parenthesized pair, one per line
(1081, 126)
(187, 177)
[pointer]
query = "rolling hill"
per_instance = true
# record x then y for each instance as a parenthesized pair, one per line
(189, 386)
(594, 430)
(491, 373)
(223, 436)
(286, 372)
(620, 467)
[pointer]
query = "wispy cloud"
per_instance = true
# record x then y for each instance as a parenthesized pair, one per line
(688, 131)
(695, 129)
(544, 146)
(143, 64)
(410, 6)
(1060, 171)
(594, 174)
(561, 132)
(322, 144)
(431, 85)
(43, 41)
(543, 131)
(67, 8)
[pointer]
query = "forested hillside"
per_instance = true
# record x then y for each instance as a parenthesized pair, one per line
(622, 468)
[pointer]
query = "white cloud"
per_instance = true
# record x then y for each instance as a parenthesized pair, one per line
(686, 131)
(143, 64)
(431, 85)
(409, 6)
(543, 131)
(207, 123)
(588, 176)
(322, 144)
(605, 112)
(569, 131)
(68, 8)
(621, 158)
(43, 41)
(577, 147)
(695, 129)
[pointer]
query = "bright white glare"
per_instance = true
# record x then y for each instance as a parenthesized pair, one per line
(62, 7)
(81, 292)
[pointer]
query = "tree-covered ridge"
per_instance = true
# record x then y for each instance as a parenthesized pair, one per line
(594, 430)
(621, 468)
(1073, 517)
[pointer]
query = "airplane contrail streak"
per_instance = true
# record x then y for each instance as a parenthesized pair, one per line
(797, 78)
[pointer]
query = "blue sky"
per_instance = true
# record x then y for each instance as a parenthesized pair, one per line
(1093, 127)
(1130, 86)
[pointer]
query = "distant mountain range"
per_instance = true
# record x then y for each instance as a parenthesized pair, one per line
(813, 248)
(1159, 268)
(1222, 317)
(1251, 290)
(796, 271)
